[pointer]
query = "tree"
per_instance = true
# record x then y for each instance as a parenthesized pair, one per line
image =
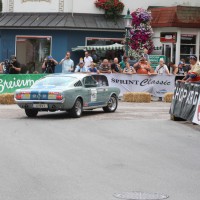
(141, 34)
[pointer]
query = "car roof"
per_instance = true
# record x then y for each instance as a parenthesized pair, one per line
(75, 75)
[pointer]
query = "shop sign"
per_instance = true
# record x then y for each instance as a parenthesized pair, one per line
(168, 37)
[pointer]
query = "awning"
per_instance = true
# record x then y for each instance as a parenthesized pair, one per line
(115, 46)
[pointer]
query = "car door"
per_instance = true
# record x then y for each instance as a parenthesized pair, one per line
(102, 87)
(94, 93)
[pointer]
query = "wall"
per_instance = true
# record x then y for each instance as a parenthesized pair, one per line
(62, 41)
(80, 6)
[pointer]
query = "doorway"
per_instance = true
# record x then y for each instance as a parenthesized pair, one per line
(169, 50)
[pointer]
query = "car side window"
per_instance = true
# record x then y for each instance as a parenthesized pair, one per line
(78, 84)
(89, 82)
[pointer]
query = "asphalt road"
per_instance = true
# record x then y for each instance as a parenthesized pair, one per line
(53, 157)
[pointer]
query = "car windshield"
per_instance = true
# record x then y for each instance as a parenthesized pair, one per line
(53, 81)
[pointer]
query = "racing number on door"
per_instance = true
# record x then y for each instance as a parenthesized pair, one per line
(93, 95)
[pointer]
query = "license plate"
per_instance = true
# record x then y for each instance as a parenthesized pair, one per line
(40, 105)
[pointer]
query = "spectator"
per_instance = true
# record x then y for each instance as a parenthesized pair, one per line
(180, 69)
(87, 60)
(94, 56)
(123, 62)
(80, 67)
(132, 61)
(67, 63)
(1, 68)
(129, 69)
(105, 67)
(142, 67)
(186, 67)
(49, 64)
(15, 65)
(115, 67)
(93, 68)
(194, 74)
(162, 69)
(146, 55)
(173, 69)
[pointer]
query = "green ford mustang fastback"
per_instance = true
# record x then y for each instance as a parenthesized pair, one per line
(68, 92)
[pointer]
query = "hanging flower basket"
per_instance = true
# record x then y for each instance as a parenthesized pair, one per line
(112, 8)
(141, 34)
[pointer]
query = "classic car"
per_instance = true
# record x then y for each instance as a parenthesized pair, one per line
(68, 92)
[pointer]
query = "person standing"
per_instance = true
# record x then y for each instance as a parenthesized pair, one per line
(129, 69)
(115, 67)
(142, 67)
(87, 60)
(173, 69)
(15, 65)
(162, 69)
(93, 68)
(80, 67)
(146, 55)
(105, 67)
(67, 63)
(49, 64)
(123, 62)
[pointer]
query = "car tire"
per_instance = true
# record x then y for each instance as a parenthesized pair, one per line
(77, 109)
(112, 104)
(31, 112)
(174, 118)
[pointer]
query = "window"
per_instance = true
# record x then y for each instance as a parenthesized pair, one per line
(89, 82)
(78, 84)
(188, 46)
(31, 51)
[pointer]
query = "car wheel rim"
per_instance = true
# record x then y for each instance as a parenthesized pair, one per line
(112, 103)
(78, 108)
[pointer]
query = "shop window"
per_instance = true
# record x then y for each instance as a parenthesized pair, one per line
(31, 52)
(188, 46)
(99, 54)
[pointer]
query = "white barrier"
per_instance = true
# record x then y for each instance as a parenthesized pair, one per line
(157, 85)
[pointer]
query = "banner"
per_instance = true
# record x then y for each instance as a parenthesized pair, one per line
(10, 82)
(157, 85)
(196, 118)
(185, 100)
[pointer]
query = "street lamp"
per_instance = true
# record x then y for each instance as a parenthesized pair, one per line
(128, 26)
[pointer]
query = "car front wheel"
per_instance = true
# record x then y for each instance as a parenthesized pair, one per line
(77, 109)
(31, 112)
(112, 104)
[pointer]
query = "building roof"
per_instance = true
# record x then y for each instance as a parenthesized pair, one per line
(76, 21)
(177, 16)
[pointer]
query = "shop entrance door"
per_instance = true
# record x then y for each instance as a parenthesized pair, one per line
(169, 50)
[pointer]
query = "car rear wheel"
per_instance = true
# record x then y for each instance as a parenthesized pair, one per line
(31, 112)
(174, 118)
(77, 109)
(112, 104)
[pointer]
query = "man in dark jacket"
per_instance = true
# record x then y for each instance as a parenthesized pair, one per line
(14, 65)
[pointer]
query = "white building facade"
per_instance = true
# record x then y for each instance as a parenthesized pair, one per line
(187, 40)
(81, 6)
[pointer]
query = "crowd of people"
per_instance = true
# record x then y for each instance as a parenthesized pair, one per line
(128, 65)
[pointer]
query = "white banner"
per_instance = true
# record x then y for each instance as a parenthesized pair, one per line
(196, 118)
(157, 85)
